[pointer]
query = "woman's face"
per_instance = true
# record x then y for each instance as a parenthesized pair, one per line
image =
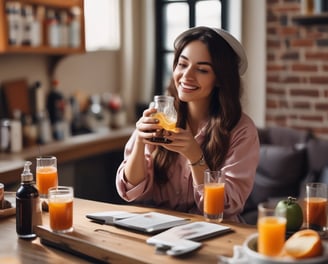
(193, 75)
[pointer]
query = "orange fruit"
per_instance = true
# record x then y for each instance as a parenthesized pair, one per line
(304, 244)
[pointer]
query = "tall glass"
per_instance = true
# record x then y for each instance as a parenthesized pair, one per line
(60, 200)
(46, 174)
(315, 202)
(166, 115)
(271, 226)
(213, 196)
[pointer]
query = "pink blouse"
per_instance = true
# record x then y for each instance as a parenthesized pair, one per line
(180, 194)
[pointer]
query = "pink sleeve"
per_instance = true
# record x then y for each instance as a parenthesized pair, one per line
(126, 190)
(240, 166)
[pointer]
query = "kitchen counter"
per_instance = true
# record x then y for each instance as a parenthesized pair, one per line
(74, 148)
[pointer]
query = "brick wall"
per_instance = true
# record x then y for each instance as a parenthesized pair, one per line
(297, 70)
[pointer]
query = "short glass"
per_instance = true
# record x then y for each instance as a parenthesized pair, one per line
(213, 196)
(166, 115)
(60, 202)
(271, 226)
(315, 203)
(46, 174)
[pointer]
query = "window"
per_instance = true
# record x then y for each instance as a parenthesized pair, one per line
(169, 25)
(102, 25)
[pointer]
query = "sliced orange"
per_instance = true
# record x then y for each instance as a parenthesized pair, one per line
(304, 244)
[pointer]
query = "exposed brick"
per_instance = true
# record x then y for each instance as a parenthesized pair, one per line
(303, 92)
(301, 105)
(302, 43)
(297, 70)
(292, 79)
(271, 104)
(321, 106)
(315, 118)
(290, 56)
(273, 44)
(304, 67)
(276, 67)
(319, 79)
(320, 55)
(322, 42)
(276, 91)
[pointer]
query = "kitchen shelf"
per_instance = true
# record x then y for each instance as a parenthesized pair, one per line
(314, 19)
(5, 47)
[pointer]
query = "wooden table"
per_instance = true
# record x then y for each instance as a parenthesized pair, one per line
(109, 243)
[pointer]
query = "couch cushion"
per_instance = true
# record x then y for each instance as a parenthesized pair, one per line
(285, 136)
(317, 154)
(279, 174)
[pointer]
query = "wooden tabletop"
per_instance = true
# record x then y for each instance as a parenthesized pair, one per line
(107, 243)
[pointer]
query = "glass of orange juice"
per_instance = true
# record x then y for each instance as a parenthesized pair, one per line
(46, 174)
(315, 203)
(271, 227)
(166, 116)
(213, 195)
(60, 202)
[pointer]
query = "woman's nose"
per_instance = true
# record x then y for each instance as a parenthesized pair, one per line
(188, 73)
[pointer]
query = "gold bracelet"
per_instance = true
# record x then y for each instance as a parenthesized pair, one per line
(200, 162)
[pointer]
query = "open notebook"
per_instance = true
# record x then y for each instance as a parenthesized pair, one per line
(151, 222)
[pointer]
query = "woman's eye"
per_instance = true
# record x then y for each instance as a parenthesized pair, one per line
(203, 70)
(182, 65)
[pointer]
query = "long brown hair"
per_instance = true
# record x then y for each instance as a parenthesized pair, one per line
(224, 108)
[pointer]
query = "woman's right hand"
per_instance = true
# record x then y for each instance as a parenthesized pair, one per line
(147, 126)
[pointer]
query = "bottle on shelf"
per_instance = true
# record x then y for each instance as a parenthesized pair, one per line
(16, 133)
(75, 28)
(28, 207)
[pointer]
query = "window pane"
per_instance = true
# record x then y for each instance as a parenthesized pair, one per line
(208, 13)
(174, 24)
(101, 24)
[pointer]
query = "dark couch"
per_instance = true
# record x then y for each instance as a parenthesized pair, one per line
(288, 159)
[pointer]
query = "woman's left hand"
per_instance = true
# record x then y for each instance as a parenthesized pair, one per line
(183, 142)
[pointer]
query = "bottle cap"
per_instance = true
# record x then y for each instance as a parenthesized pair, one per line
(27, 174)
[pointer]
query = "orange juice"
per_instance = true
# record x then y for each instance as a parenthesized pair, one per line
(272, 230)
(213, 199)
(46, 177)
(316, 214)
(165, 122)
(61, 214)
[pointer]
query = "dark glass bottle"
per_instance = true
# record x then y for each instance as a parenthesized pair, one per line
(28, 210)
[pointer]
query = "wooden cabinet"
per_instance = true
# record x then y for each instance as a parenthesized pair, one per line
(45, 46)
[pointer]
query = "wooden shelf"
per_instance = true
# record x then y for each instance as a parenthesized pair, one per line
(314, 19)
(43, 49)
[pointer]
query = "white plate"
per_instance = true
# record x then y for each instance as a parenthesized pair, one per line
(250, 248)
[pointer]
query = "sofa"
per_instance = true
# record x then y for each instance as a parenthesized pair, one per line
(288, 159)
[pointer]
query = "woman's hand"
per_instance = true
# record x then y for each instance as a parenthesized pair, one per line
(183, 142)
(147, 126)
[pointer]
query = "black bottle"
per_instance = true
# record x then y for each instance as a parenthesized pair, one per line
(28, 210)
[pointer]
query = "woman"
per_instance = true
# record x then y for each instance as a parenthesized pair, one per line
(213, 132)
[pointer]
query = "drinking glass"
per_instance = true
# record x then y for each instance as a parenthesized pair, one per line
(46, 174)
(315, 202)
(271, 227)
(213, 196)
(166, 115)
(60, 202)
